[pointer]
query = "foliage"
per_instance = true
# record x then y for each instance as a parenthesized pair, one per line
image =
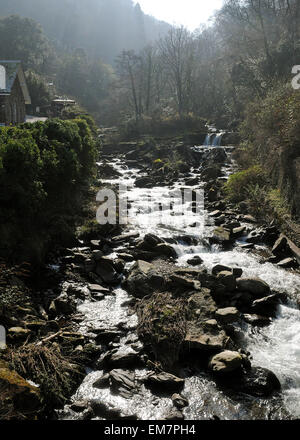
(271, 130)
(87, 81)
(242, 183)
(24, 39)
(39, 91)
(45, 169)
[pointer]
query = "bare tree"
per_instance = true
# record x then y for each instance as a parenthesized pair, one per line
(177, 54)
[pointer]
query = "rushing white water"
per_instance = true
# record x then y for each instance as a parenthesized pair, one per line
(276, 347)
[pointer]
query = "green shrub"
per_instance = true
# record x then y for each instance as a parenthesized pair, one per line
(271, 133)
(45, 169)
(240, 184)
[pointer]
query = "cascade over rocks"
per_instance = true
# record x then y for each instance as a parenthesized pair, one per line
(186, 316)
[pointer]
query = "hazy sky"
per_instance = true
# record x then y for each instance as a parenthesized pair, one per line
(187, 12)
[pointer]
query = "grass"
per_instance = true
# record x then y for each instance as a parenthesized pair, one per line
(162, 326)
(55, 372)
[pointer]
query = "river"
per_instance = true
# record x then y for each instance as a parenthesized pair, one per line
(276, 347)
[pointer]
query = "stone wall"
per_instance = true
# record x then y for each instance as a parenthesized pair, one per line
(12, 107)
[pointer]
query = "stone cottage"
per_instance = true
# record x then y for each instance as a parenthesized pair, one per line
(14, 95)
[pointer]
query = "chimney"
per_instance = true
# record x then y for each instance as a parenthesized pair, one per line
(2, 78)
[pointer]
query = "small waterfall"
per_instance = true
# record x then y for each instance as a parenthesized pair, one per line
(213, 140)
(217, 140)
(207, 140)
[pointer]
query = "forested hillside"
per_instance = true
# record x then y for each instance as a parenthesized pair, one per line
(102, 27)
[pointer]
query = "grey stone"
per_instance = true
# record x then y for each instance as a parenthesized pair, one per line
(226, 362)
(255, 286)
(266, 306)
(258, 382)
(165, 381)
(228, 315)
(179, 401)
(122, 382)
(256, 320)
(228, 280)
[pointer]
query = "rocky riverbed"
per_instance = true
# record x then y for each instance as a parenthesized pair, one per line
(193, 318)
(195, 322)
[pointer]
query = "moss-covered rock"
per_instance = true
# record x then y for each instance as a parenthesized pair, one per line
(20, 395)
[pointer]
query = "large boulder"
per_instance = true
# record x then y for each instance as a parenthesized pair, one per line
(179, 401)
(222, 235)
(124, 358)
(144, 182)
(266, 306)
(122, 382)
(258, 382)
(211, 173)
(201, 305)
(195, 261)
(164, 381)
(143, 279)
(287, 263)
(217, 155)
(281, 246)
(63, 304)
(220, 268)
(202, 331)
(184, 282)
(228, 280)
(255, 286)
(166, 250)
(152, 240)
(205, 336)
(106, 271)
(226, 362)
(236, 271)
